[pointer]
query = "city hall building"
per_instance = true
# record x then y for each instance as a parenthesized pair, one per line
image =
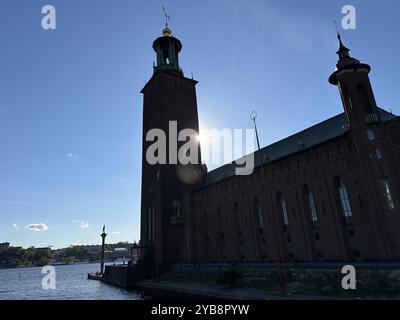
(328, 193)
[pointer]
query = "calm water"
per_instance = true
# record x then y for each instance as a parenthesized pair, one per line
(72, 283)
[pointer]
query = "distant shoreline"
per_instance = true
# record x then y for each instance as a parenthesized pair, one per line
(50, 264)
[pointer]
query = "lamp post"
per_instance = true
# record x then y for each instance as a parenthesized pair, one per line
(103, 237)
(281, 277)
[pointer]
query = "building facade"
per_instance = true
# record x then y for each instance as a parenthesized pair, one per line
(328, 193)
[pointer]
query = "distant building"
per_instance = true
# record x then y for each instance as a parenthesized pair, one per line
(328, 193)
(117, 253)
(4, 246)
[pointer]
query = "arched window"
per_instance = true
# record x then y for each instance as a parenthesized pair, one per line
(309, 197)
(344, 198)
(282, 204)
(370, 135)
(258, 213)
(374, 152)
(388, 194)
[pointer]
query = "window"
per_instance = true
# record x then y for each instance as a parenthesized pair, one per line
(370, 135)
(375, 153)
(257, 211)
(344, 199)
(282, 204)
(261, 218)
(388, 194)
(311, 205)
(378, 153)
(284, 211)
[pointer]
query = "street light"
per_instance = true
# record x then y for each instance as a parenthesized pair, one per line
(281, 277)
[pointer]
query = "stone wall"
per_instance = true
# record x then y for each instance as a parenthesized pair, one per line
(380, 277)
(122, 276)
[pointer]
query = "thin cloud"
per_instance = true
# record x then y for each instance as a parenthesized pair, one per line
(75, 157)
(83, 224)
(15, 226)
(118, 180)
(37, 227)
(116, 232)
(16, 203)
(304, 32)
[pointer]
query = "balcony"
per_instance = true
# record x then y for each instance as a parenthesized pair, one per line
(371, 118)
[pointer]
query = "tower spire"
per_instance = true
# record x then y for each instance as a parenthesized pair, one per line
(343, 53)
(166, 31)
(167, 49)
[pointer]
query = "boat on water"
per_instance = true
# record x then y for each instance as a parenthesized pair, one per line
(121, 261)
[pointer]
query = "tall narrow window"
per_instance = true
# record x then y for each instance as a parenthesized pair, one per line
(284, 212)
(378, 153)
(311, 205)
(388, 194)
(258, 213)
(344, 199)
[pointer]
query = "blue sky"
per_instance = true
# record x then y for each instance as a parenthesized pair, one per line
(70, 107)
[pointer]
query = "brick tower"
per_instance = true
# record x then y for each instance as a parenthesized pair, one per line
(168, 97)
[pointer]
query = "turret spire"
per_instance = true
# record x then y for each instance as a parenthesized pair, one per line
(344, 54)
(167, 49)
(166, 31)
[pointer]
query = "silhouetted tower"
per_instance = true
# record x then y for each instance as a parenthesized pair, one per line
(168, 96)
(103, 241)
(367, 143)
(351, 76)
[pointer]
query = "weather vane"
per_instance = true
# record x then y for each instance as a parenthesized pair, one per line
(167, 17)
(336, 27)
